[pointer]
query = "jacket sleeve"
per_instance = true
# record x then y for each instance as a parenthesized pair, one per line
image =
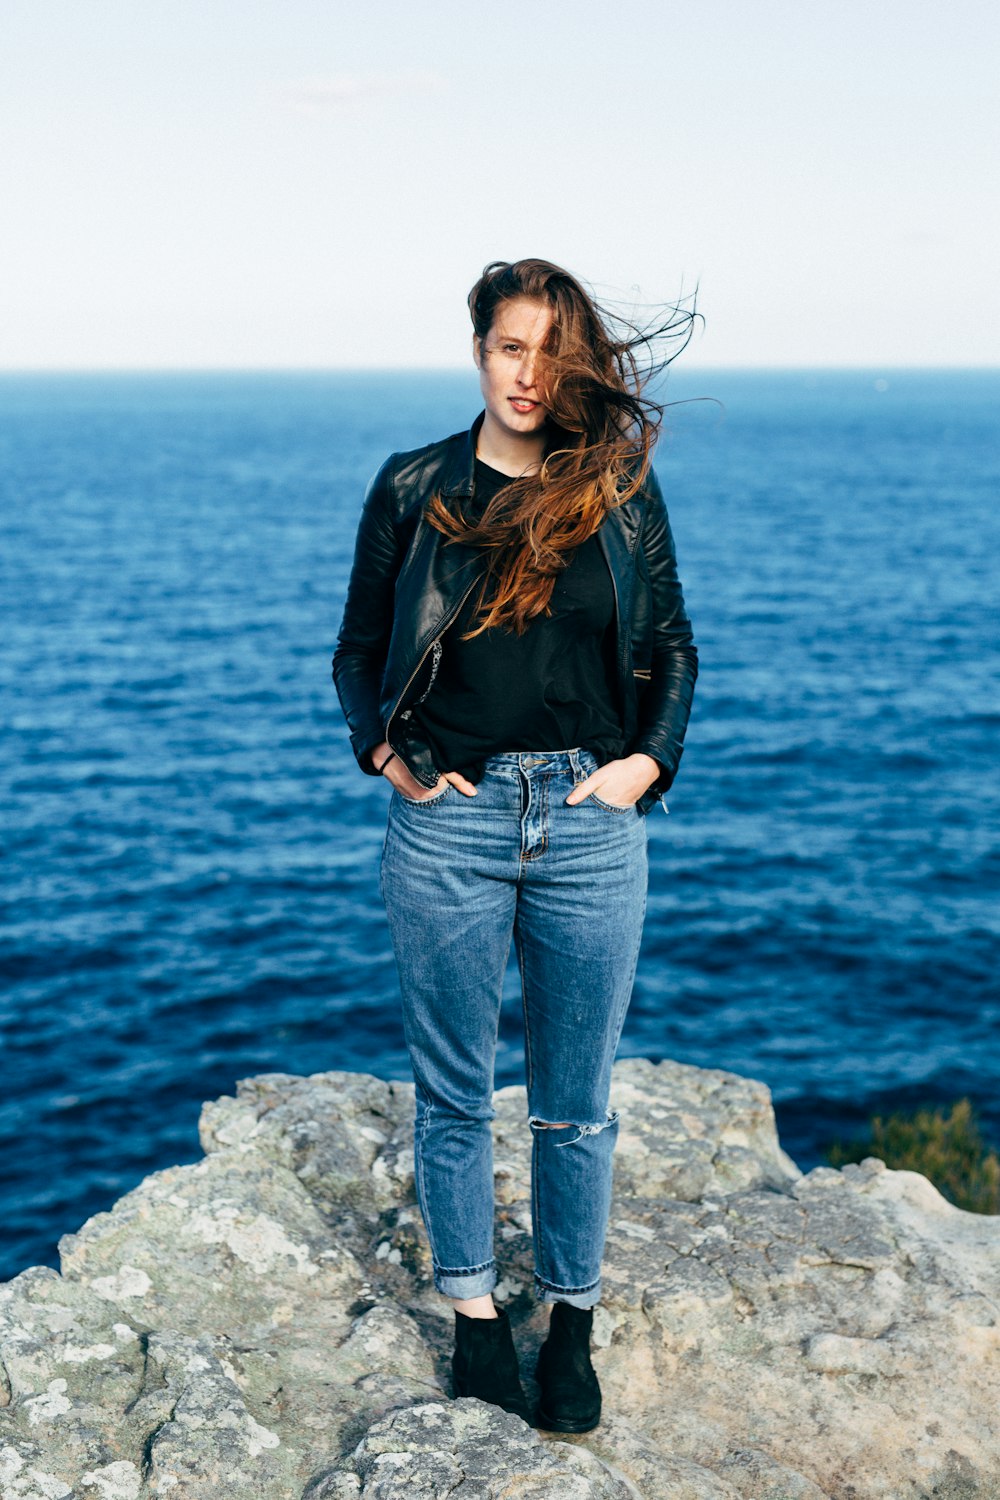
(363, 641)
(665, 705)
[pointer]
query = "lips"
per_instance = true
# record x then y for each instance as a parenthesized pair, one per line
(521, 405)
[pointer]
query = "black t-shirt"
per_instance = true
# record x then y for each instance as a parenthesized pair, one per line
(550, 689)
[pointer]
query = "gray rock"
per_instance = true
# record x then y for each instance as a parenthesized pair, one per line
(263, 1322)
(468, 1450)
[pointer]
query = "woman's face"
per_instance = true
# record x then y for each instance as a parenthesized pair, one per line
(510, 366)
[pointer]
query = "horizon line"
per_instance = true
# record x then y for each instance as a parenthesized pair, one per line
(776, 369)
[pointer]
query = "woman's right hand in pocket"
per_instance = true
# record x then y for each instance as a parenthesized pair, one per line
(401, 779)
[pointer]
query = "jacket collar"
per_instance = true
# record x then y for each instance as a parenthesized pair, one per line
(459, 476)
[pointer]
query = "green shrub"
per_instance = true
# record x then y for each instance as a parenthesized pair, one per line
(946, 1148)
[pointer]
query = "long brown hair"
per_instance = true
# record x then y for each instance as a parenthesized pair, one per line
(602, 430)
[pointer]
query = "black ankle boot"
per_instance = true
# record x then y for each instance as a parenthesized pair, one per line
(485, 1363)
(570, 1399)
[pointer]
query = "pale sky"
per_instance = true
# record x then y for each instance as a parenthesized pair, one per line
(305, 183)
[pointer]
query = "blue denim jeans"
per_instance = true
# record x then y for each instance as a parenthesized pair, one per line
(459, 877)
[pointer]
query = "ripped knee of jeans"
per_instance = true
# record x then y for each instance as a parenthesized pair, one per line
(537, 1123)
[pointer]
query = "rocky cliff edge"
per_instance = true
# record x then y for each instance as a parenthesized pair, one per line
(263, 1323)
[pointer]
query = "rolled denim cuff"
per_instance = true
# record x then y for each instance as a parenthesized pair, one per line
(464, 1284)
(589, 1297)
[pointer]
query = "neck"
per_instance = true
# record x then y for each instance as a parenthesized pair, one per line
(509, 453)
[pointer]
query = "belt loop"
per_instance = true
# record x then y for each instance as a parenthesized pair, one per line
(574, 760)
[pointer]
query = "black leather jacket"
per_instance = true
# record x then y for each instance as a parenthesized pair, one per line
(407, 584)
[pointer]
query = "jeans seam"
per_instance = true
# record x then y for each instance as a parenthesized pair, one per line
(545, 782)
(628, 989)
(529, 1069)
(419, 1162)
(543, 813)
(536, 1214)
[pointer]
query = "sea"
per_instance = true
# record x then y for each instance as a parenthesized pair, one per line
(190, 852)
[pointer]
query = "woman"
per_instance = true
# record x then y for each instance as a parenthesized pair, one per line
(515, 658)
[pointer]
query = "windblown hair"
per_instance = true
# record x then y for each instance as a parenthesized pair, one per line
(601, 433)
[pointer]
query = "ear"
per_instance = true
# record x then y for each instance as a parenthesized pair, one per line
(476, 347)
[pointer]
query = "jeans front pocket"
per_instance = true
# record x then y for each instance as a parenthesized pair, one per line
(610, 806)
(424, 801)
(588, 765)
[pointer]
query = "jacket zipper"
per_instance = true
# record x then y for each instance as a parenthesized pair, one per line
(434, 641)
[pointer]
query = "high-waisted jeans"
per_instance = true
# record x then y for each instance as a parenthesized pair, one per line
(459, 876)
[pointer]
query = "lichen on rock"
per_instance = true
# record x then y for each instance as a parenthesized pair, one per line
(263, 1323)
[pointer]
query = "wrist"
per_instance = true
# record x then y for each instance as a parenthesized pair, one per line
(377, 754)
(651, 768)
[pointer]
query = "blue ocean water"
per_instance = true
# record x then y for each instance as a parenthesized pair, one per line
(190, 853)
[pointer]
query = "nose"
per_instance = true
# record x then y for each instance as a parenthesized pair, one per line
(526, 374)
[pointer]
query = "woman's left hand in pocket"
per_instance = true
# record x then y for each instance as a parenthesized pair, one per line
(620, 782)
